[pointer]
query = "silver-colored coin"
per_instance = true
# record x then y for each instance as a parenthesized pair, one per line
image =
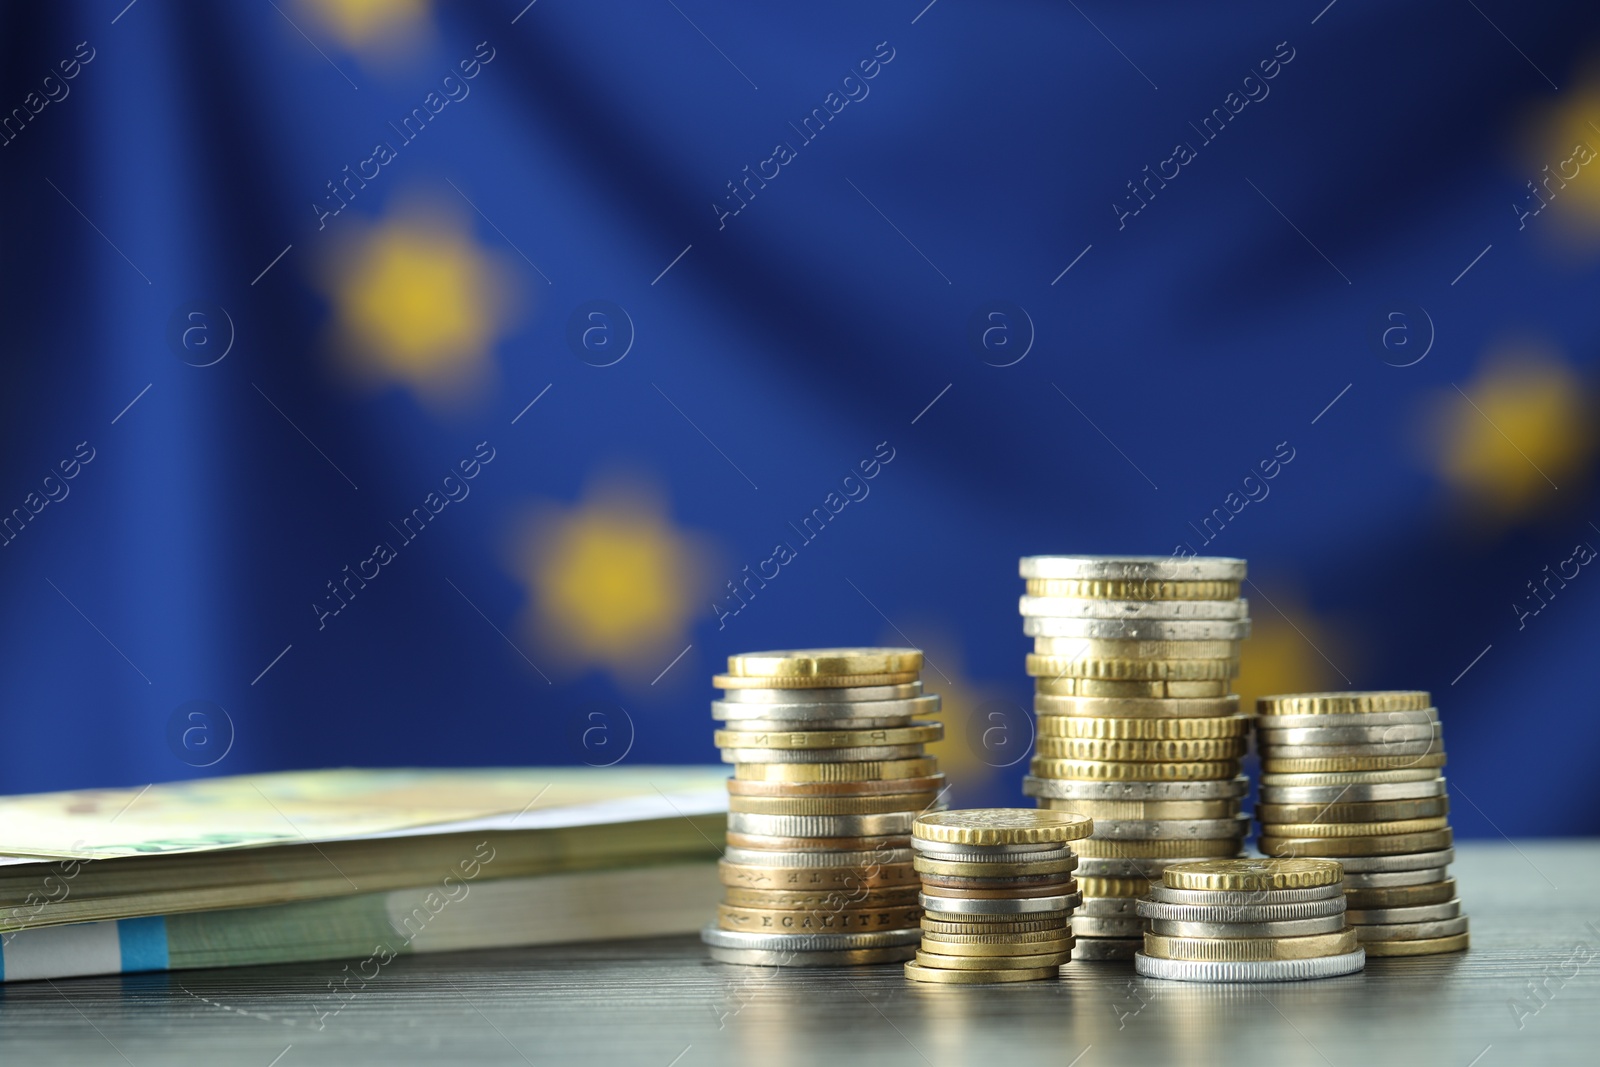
(1404, 861)
(1129, 866)
(850, 695)
(1251, 970)
(891, 822)
(1353, 793)
(1236, 898)
(1297, 780)
(1171, 829)
(1348, 735)
(1412, 931)
(1328, 924)
(1098, 926)
(1370, 748)
(1385, 879)
(967, 906)
(1362, 720)
(1063, 789)
(1123, 568)
(861, 957)
(1241, 913)
(864, 860)
(1109, 907)
(834, 942)
(822, 755)
(1099, 949)
(1416, 913)
(754, 725)
(1030, 853)
(1068, 609)
(1146, 628)
(831, 713)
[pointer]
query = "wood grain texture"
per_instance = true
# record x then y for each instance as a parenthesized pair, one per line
(663, 1004)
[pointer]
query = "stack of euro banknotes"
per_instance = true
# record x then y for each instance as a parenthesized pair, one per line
(370, 864)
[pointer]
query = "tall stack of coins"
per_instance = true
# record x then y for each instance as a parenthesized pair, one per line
(830, 772)
(997, 894)
(1133, 661)
(1356, 777)
(1273, 920)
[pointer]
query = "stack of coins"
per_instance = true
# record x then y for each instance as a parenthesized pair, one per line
(1273, 920)
(1133, 661)
(1356, 777)
(830, 772)
(997, 894)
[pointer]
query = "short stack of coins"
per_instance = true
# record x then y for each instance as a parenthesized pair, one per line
(830, 772)
(1251, 920)
(997, 894)
(1357, 777)
(1133, 662)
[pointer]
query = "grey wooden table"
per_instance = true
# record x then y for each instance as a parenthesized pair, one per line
(1535, 918)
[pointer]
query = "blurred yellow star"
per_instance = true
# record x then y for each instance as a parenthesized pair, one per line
(366, 24)
(613, 582)
(418, 303)
(1506, 439)
(1563, 154)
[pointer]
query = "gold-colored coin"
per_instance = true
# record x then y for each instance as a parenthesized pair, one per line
(1055, 667)
(1131, 589)
(820, 899)
(818, 879)
(1242, 949)
(1353, 829)
(1344, 703)
(918, 973)
(847, 920)
(870, 770)
(1001, 826)
(1253, 874)
(825, 662)
(950, 962)
(1363, 811)
(1426, 946)
(871, 805)
(1143, 810)
(1060, 888)
(740, 787)
(1047, 705)
(1155, 689)
(1103, 771)
(968, 869)
(1400, 896)
(1386, 845)
(1345, 764)
(992, 949)
(1170, 751)
(1162, 848)
(1143, 729)
(1058, 925)
(832, 681)
(1131, 649)
(1420, 774)
(919, 732)
(1115, 887)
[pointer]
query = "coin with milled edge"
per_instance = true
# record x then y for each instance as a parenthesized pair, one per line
(967, 891)
(1249, 971)
(1353, 703)
(969, 869)
(1134, 568)
(1171, 750)
(1146, 689)
(1133, 866)
(1079, 789)
(1410, 861)
(998, 952)
(1246, 911)
(1366, 901)
(1045, 927)
(1414, 913)
(826, 920)
(1101, 949)
(1374, 880)
(841, 681)
(1194, 626)
(918, 973)
(1352, 778)
(1351, 735)
(865, 860)
(1363, 720)
(1108, 907)
(1030, 852)
(809, 942)
(1412, 931)
(1291, 928)
(826, 713)
(1098, 926)
(744, 787)
(843, 695)
(1126, 670)
(1102, 770)
(1171, 829)
(825, 662)
(1128, 888)
(1249, 948)
(1144, 810)
(1026, 906)
(829, 844)
(1332, 892)
(893, 822)
(1183, 848)
(1045, 704)
(819, 899)
(1002, 826)
(1369, 811)
(1433, 786)
(865, 754)
(1135, 591)
(1133, 650)
(916, 733)
(1330, 828)
(871, 770)
(1253, 874)
(1345, 753)
(1108, 729)
(1349, 764)
(1419, 947)
(1339, 847)
(873, 805)
(985, 963)
(815, 879)
(753, 725)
